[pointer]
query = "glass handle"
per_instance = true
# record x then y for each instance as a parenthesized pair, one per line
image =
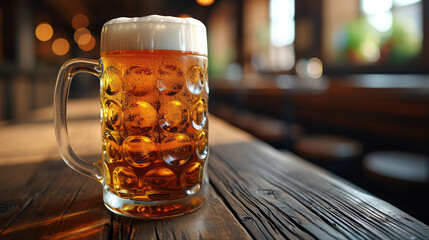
(65, 76)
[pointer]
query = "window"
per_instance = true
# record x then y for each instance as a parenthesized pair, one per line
(399, 30)
(282, 35)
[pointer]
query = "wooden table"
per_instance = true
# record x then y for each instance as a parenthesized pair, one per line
(255, 192)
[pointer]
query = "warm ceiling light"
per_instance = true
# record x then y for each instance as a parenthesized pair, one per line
(205, 2)
(89, 46)
(82, 36)
(80, 21)
(60, 46)
(84, 39)
(44, 32)
(184, 15)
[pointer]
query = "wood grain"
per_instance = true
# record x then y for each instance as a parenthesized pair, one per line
(256, 192)
(278, 196)
(70, 206)
(212, 221)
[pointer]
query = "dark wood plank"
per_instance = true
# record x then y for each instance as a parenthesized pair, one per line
(21, 185)
(212, 221)
(49, 206)
(70, 206)
(85, 217)
(279, 196)
(256, 192)
(265, 210)
(49, 200)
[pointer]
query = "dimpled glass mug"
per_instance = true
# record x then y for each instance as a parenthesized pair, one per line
(154, 93)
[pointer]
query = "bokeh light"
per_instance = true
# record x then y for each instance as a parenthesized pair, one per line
(84, 39)
(205, 2)
(301, 67)
(60, 46)
(88, 46)
(282, 22)
(80, 21)
(82, 36)
(44, 32)
(315, 68)
(312, 68)
(370, 51)
(184, 15)
(374, 7)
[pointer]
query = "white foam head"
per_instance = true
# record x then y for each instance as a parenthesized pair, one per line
(154, 32)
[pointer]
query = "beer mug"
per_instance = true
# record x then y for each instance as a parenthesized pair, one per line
(154, 127)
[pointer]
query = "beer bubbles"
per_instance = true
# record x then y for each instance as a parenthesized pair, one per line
(155, 114)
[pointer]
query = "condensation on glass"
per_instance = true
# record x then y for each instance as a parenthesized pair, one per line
(154, 96)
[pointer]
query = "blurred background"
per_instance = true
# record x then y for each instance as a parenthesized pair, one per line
(342, 83)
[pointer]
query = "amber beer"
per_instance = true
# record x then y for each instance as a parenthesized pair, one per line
(154, 126)
(154, 96)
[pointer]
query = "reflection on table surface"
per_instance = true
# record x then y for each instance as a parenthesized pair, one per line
(255, 191)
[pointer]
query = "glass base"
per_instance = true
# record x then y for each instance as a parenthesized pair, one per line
(155, 209)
